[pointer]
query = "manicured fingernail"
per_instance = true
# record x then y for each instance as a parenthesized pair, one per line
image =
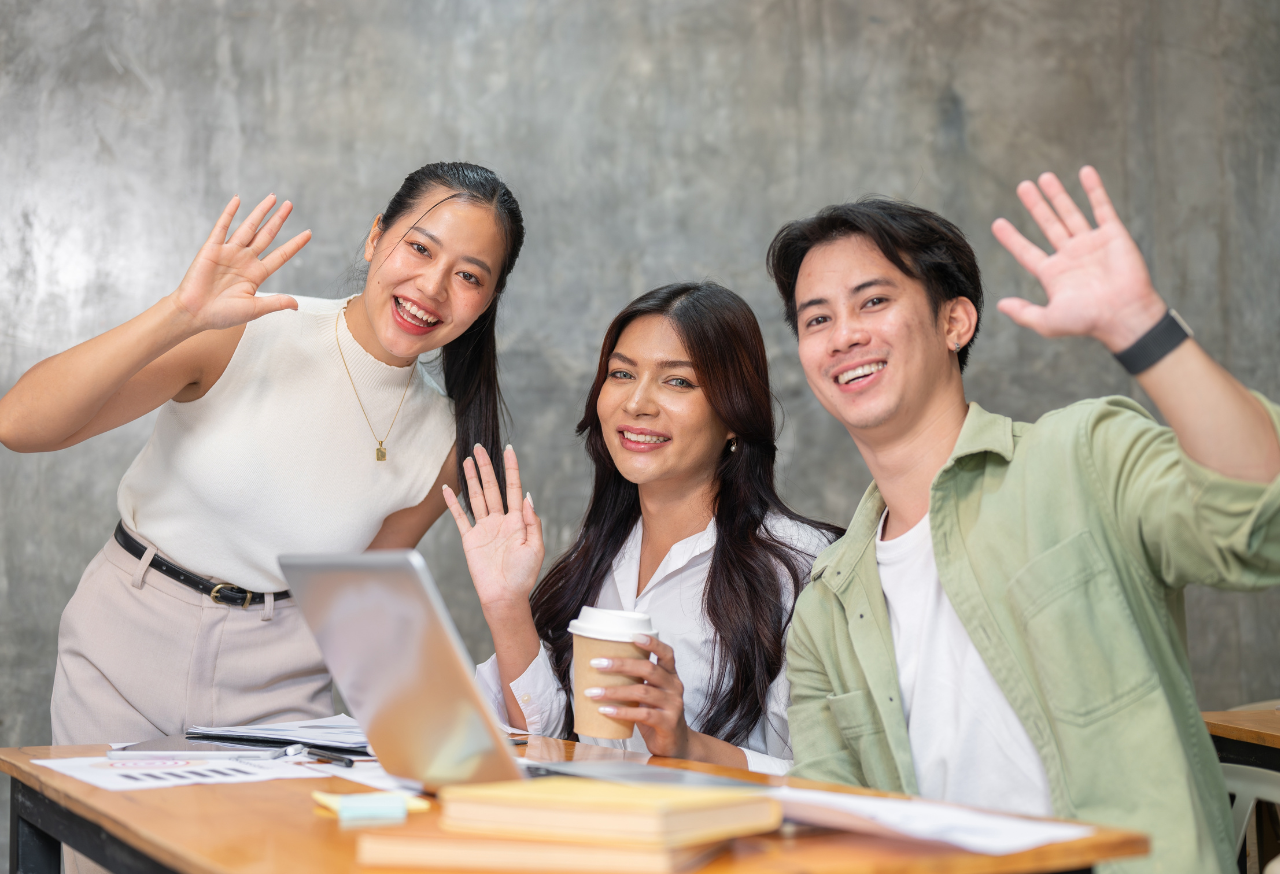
(508, 446)
(600, 663)
(528, 497)
(593, 692)
(642, 639)
(477, 446)
(607, 710)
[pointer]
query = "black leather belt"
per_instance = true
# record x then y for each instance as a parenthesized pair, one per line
(221, 593)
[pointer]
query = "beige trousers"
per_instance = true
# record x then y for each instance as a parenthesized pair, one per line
(141, 656)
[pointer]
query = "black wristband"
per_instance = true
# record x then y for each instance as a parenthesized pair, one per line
(1166, 336)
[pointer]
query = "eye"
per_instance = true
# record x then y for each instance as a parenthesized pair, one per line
(817, 320)
(619, 374)
(420, 249)
(680, 382)
(470, 277)
(874, 301)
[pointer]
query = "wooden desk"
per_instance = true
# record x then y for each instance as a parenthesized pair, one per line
(255, 828)
(1246, 737)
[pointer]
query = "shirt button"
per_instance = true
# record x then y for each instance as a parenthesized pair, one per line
(524, 699)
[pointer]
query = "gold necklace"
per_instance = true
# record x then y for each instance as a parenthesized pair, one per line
(381, 454)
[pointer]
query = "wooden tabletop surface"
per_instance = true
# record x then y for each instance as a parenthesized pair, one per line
(252, 828)
(1251, 726)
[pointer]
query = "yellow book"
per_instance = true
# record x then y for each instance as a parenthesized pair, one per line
(571, 809)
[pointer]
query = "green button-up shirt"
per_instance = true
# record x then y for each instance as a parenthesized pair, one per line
(1063, 546)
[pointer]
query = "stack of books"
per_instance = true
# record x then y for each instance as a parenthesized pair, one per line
(572, 824)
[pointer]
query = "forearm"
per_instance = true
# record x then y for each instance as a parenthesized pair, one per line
(1219, 424)
(705, 748)
(516, 644)
(60, 395)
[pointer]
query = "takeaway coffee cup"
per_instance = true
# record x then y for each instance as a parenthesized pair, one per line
(599, 633)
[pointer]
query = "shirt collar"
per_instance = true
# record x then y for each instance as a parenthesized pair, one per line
(626, 564)
(983, 432)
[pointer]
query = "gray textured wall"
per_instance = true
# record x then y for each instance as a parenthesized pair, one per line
(648, 142)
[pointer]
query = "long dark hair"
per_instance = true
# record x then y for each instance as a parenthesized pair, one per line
(470, 360)
(744, 595)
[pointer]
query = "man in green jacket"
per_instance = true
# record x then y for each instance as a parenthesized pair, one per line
(1001, 625)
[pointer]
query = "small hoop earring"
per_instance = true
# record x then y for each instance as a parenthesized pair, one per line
(733, 445)
(957, 349)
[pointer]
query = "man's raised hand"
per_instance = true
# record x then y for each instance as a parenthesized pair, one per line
(1096, 280)
(221, 285)
(504, 550)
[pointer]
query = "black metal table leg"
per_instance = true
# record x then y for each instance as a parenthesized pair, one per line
(38, 827)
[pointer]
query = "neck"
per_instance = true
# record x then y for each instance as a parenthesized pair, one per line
(904, 459)
(671, 512)
(357, 315)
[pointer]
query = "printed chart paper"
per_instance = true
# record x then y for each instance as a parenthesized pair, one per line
(121, 775)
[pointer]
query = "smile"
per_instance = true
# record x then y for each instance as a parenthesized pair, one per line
(644, 438)
(859, 372)
(413, 315)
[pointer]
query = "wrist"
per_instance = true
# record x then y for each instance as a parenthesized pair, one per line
(177, 322)
(1129, 324)
(503, 611)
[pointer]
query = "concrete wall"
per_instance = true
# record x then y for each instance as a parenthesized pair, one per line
(648, 142)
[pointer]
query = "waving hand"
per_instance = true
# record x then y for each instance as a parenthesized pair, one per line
(1096, 280)
(221, 285)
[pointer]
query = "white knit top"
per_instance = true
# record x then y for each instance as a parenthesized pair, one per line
(277, 457)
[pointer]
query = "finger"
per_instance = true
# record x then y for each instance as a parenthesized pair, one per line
(285, 251)
(1066, 208)
(512, 468)
(272, 303)
(249, 227)
(638, 668)
(666, 655)
(1052, 227)
(262, 239)
(1025, 252)
(218, 235)
(479, 509)
(532, 524)
(644, 715)
(489, 479)
(455, 509)
(1027, 314)
(1103, 212)
(635, 693)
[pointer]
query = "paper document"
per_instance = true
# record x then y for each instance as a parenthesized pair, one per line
(339, 732)
(974, 830)
(120, 775)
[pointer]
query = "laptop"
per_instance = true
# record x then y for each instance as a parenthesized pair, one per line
(392, 648)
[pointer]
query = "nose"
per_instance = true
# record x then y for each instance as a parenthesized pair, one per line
(433, 281)
(640, 401)
(849, 333)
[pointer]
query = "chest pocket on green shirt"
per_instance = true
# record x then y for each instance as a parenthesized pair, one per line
(1084, 642)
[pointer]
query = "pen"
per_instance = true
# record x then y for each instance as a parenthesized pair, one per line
(331, 757)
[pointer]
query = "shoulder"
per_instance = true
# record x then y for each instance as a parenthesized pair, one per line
(798, 535)
(1107, 423)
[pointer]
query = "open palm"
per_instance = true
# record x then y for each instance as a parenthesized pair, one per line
(1096, 280)
(504, 549)
(221, 285)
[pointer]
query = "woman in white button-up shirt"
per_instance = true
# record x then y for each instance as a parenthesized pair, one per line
(684, 525)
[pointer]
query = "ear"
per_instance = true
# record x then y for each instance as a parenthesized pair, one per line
(375, 234)
(958, 321)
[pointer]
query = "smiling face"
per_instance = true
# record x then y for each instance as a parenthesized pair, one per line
(431, 275)
(873, 351)
(656, 419)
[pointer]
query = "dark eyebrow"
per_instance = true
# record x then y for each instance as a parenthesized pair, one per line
(662, 365)
(862, 286)
(433, 238)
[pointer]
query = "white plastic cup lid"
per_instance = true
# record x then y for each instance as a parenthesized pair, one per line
(620, 625)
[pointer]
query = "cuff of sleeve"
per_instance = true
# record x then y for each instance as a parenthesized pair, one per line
(759, 763)
(539, 695)
(1247, 514)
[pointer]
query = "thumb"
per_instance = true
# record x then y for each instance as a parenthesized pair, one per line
(1026, 314)
(264, 304)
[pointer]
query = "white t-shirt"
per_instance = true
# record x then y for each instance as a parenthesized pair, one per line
(673, 599)
(968, 745)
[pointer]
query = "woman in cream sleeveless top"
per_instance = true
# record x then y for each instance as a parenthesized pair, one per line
(285, 425)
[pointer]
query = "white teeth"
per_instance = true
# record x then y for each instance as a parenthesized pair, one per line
(644, 438)
(865, 370)
(417, 313)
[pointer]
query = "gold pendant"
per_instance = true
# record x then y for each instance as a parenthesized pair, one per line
(381, 455)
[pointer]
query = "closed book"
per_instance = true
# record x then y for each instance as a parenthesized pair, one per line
(571, 809)
(415, 848)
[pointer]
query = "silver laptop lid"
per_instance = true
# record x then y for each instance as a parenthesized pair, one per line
(393, 650)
